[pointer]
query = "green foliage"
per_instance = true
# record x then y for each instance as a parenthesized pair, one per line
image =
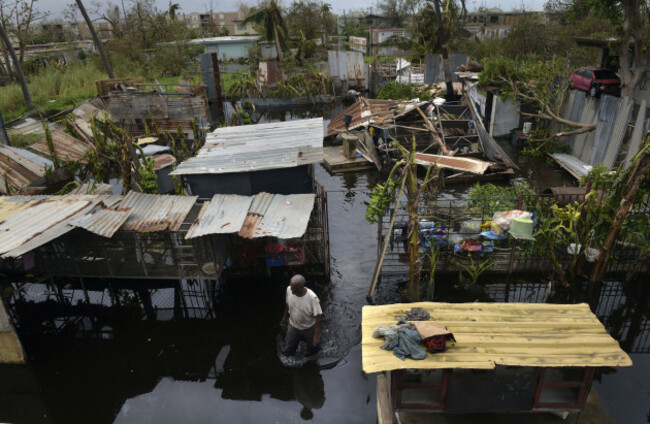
(310, 18)
(490, 198)
(382, 195)
(148, 176)
(53, 89)
(398, 91)
(472, 268)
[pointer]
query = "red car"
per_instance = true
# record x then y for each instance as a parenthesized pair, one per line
(596, 81)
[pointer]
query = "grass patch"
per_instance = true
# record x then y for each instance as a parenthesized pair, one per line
(24, 140)
(53, 89)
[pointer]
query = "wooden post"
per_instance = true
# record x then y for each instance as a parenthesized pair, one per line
(384, 404)
(434, 132)
(217, 85)
(380, 262)
(4, 138)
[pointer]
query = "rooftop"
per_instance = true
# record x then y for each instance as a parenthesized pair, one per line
(258, 147)
(490, 334)
(226, 39)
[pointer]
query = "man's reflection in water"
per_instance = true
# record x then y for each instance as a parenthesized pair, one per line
(309, 389)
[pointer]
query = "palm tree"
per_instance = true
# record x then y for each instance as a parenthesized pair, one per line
(173, 8)
(326, 10)
(270, 16)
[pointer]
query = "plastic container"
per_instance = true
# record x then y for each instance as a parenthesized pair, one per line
(274, 259)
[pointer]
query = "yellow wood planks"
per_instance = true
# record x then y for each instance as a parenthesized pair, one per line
(489, 334)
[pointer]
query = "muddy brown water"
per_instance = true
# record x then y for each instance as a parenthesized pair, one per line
(227, 370)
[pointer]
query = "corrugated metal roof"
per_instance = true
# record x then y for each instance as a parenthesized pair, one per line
(18, 229)
(490, 334)
(257, 147)
(286, 216)
(51, 220)
(263, 215)
(67, 147)
(102, 220)
(10, 206)
(474, 166)
(17, 169)
(223, 214)
(154, 212)
(572, 164)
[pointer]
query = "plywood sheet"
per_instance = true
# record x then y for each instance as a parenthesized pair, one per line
(490, 334)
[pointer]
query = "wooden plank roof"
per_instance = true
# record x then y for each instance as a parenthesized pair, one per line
(490, 334)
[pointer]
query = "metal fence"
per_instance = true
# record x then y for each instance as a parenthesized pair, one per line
(458, 220)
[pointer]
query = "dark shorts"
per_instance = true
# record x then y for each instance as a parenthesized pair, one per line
(294, 336)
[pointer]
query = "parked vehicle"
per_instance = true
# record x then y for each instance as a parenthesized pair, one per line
(596, 81)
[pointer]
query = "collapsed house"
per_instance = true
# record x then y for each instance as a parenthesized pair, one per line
(451, 136)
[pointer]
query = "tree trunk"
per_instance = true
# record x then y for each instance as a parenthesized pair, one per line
(18, 70)
(442, 37)
(98, 43)
(413, 236)
(629, 192)
(277, 43)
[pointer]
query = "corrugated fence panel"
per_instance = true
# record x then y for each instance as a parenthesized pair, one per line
(583, 142)
(606, 116)
(637, 134)
(618, 131)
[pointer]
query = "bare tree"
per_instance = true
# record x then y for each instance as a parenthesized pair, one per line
(98, 43)
(18, 68)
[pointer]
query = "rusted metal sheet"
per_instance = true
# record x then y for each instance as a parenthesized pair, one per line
(269, 73)
(153, 212)
(257, 147)
(348, 66)
(565, 195)
(258, 209)
(163, 161)
(474, 166)
(10, 206)
(56, 227)
(18, 169)
(161, 106)
(363, 112)
(262, 215)
(20, 228)
(102, 220)
(66, 147)
(366, 112)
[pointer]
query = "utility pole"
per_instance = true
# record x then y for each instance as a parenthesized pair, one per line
(98, 43)
(19, 69)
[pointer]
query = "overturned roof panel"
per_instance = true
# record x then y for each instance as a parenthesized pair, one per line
(474, 166)
(18, 168)
(66, 147)
(262, 215)
(154, 212)
(258, 147)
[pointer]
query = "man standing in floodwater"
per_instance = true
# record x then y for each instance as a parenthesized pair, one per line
(304, 316)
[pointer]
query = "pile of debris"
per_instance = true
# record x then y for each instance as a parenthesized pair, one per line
(448, 135)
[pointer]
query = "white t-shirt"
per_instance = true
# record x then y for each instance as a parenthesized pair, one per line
(303, 310)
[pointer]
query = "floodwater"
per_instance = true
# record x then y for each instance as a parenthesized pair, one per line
(227, 369)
